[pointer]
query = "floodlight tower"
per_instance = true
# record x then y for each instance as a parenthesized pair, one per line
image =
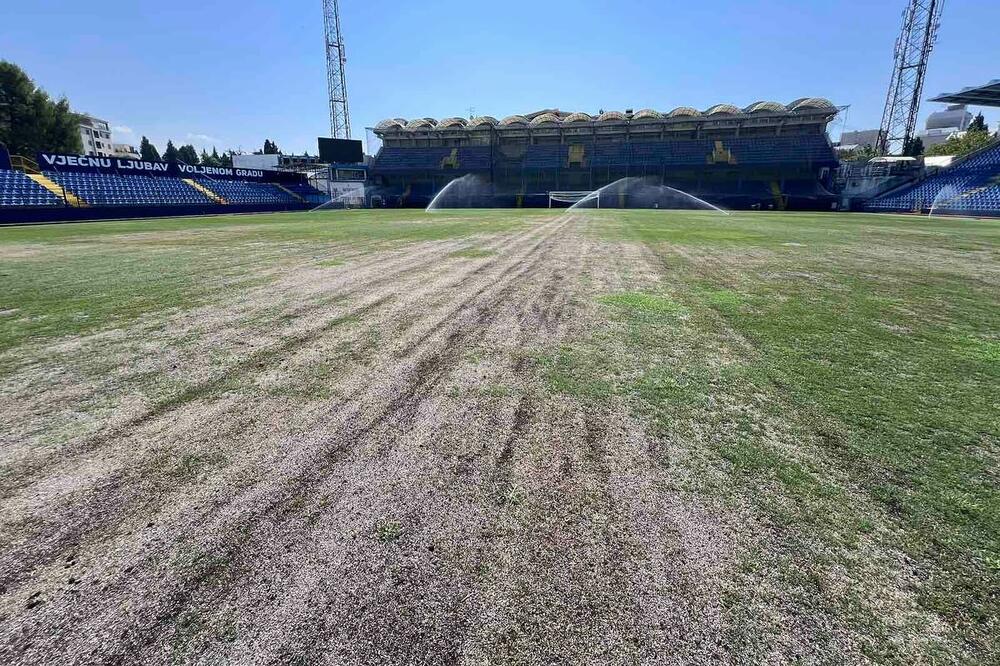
(921, 20)
(336, 57)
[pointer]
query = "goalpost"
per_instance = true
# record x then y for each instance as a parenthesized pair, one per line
(571, 197)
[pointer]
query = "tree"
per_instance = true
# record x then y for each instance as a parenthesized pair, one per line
(979, 124)
(963, 144)
(208, 160)
(188, 155)
(30, 121)
(226, 159)
(270, 147)
(148, 151)
(170, 154)
(913, 147)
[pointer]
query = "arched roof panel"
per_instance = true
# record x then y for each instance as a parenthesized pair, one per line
(482, 121)
(647, 114)
(545, 119)
(610, 116)
(766, 107)
(811, 103)
(421, 123)
(513, 120)
(453, 122)
(681, 111)
(723, 110)
(391, 123)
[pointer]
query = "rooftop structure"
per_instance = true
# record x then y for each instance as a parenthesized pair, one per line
(763, 113)
(984, 95)
(955, 116)
(125, 150)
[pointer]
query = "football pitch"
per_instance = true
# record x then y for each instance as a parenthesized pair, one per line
(501, 437)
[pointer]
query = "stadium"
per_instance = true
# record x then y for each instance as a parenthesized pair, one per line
(678, 385)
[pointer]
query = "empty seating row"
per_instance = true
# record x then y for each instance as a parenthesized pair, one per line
(811, 149)
(971, 186)
(927, 193)
(308, 193)
(469, 158)
(988, 160)
(244, 192)
(546, 156)
(984, 200)
(16, 189)
(101, 189)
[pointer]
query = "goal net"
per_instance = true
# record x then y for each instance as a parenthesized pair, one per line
(570, 198)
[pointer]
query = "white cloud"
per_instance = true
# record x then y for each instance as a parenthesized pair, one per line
(203, 138)
(122, 129)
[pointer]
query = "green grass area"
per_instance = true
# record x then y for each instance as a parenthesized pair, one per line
(814, 350)
(472, 253)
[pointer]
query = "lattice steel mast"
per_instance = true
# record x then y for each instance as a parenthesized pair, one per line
(913, 49)
(336, 57)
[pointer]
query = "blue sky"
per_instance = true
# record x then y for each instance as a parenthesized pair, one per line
(231, 73)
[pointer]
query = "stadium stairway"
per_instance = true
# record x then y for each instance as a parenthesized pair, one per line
(721, 155)
(780, 201)
(204, 190)
(450, 161)
(289, 192)
(57, 190)
(307, 193)
(251, 192)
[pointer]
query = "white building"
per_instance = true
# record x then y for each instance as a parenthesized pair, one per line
(859, 139)
(942, 125)
(125, 151)
(96, 136)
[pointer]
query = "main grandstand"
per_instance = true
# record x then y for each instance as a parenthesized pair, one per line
(767, 155)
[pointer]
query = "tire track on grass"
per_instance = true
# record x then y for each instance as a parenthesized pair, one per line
(426, 376)
(26, 473)
(401, 633)
(428, 370)
(70, 528)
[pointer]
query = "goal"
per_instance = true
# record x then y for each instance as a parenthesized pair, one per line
(571, 197)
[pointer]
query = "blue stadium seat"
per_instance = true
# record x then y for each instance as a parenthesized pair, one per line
(470, 158)
(99, 189)
(546, 156)
(244, 192)
(17, 190)
(308, 193)
(971, 186)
